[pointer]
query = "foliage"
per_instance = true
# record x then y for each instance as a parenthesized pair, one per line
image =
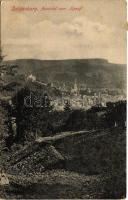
(76, 120)
(42, 120)
(116, 113)
(97, 117)
(31, 118)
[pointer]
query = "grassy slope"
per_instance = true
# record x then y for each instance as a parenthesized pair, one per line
(94, 168)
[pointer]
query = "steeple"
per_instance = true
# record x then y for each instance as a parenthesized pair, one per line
(75, 86)
(75, 89)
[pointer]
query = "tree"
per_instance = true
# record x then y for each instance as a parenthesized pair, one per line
(116, 113)
(33, 118)
(5, 107)
(5, 71)
(76, 120)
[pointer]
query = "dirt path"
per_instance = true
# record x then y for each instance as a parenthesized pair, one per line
(64, 135)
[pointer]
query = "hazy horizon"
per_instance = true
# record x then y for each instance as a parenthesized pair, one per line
(104, 59)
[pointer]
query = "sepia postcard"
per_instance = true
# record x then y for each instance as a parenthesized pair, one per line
(63, 99)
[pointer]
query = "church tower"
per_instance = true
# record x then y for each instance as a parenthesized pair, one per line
(75, 89)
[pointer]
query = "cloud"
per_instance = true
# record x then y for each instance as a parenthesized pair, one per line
(79, 38)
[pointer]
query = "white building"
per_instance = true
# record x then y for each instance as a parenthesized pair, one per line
(31, 78)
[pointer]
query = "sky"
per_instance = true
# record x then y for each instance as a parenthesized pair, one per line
(66, 29)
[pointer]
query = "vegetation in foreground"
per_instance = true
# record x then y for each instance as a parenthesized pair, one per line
(92, 168)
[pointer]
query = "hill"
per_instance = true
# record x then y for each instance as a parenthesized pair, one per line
(92, 72)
